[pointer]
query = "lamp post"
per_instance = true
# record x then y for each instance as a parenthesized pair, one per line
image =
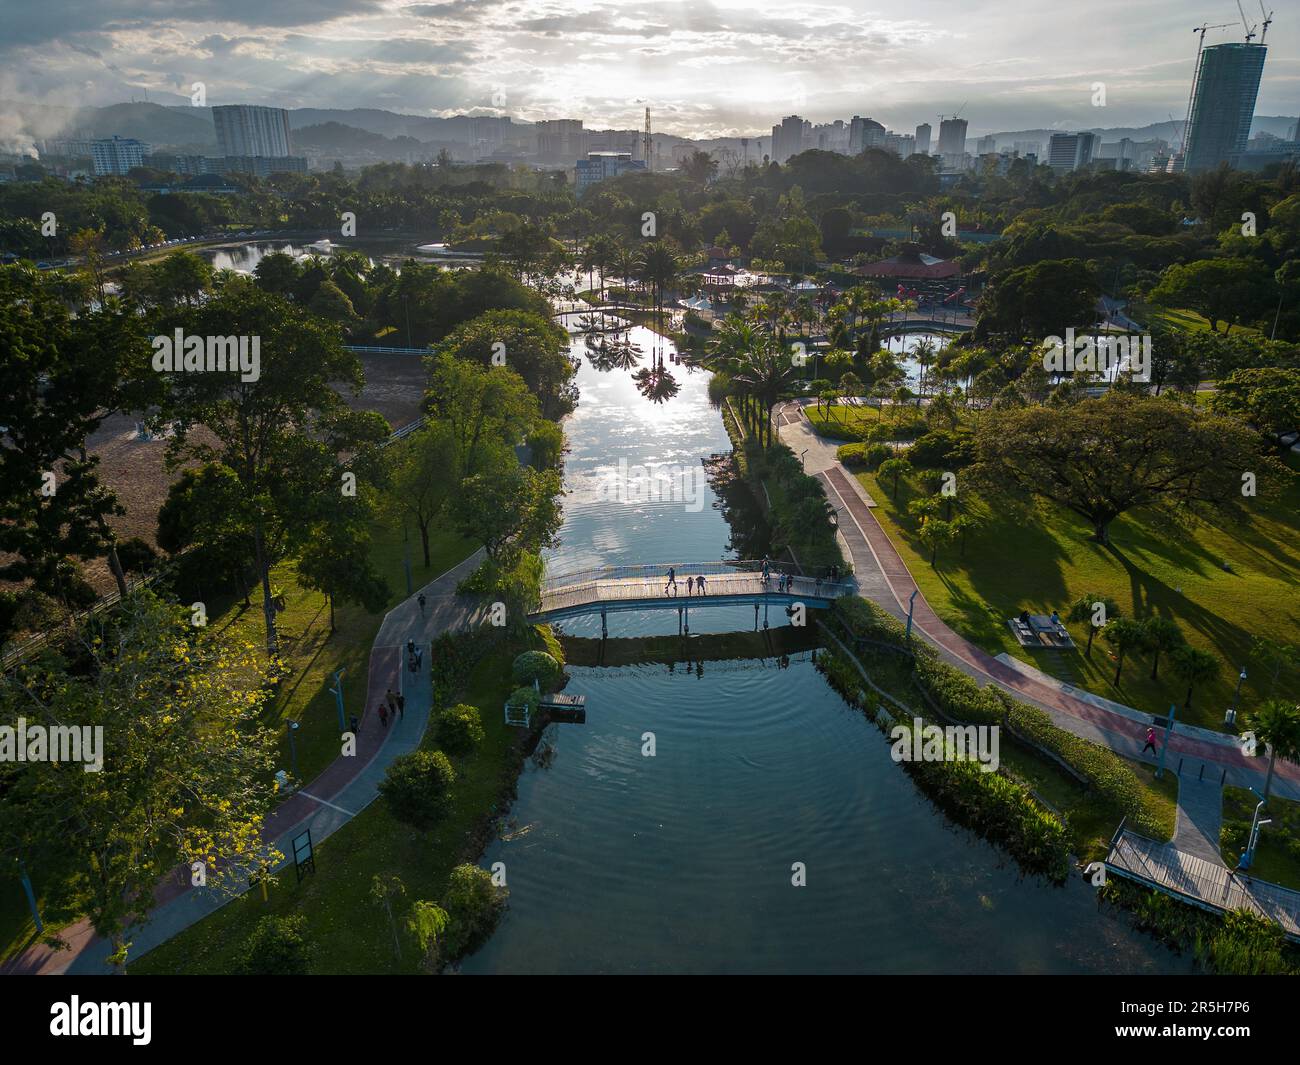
(1160, 769)
(31, 896)
(1236, 697)
(293, 748)
(910, 602)
(801, 455)
(337, 692)
(406, 557)
(1256, 824)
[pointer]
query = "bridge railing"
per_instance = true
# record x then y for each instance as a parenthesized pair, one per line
(588, 578)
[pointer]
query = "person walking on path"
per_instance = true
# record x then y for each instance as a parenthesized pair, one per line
(383, 714)
(419, 659)
(1151, 741)
(766, 571)
(401, 705)
(354, 725)
(391, 699)
(421, 600)
(672, 580)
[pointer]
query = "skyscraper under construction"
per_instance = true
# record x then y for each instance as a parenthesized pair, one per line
(1223, 104)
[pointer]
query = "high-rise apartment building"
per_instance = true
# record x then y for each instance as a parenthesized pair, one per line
(248, 130)
(986, 146)
(788, 138)
(117, 155)
(865, 133)
(923, 138)
(561, 139)
(1223, 103)
(952, 136)
(1070, 151)
(599, 166)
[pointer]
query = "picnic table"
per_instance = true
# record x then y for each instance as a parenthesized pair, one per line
(1040, 631)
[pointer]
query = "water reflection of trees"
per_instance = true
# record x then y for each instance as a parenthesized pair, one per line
(612, 352)
(657, 384)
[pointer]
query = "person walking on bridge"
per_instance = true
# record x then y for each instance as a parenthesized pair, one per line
(672, 581)
(699, 583)
(690, 585)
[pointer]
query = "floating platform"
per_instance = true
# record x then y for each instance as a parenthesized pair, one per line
(571, 709)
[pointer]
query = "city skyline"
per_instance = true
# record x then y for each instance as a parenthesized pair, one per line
(706, 70)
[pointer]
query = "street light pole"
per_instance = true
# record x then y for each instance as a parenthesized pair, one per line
(1169, 728)
(293, 748)
(337, 691)
(910, 602)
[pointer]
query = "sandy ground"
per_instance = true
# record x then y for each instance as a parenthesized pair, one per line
(135, 470)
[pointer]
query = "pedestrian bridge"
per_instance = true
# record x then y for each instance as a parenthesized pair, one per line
(647, 587)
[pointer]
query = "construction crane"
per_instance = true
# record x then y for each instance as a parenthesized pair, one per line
(1268, 19)
(1250, 30)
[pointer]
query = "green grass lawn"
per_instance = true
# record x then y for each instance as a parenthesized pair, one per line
(1277, 854)
(1043, 558)
(312, 655)
(350, 934)
(1187, 321)
(841, 422)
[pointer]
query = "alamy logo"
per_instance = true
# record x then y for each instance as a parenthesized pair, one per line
(54, 743)
(660, 484)
(196, 354)
(1106, 355)
(920, 742)
(103, 1018)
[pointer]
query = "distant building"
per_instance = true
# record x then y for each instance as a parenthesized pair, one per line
(923, 138)
(257, 165)
(865, 133)
(560, 139)
(249, 130)
(598, 166)
(986, 146)
(117, 155)
(952, 136)
(788, 138)
(1070, 151)
(1026, 148)
(901, 144)
(1223, 104)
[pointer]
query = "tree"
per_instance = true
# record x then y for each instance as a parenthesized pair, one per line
(386, 892)
(62, 377)
(1039, 300)
(335, 560)
(418, 787)
(1193, 666)
(1277, 723)
(1084, 609)
(185, 762)
(1222, 290)
(509, 508)
(278, 946)
(894, 469)
(1266, 397)
(423, 475)
(1102, 457)
(474, 905)
(279, 431)
(935, 533)
(1160, 634)
(531, 345)
(1124, 635)
(484, 408)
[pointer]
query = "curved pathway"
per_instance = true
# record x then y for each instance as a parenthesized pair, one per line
(345, 788)
(884, 578)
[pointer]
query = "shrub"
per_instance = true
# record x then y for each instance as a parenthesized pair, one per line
(460, 729)
(852, 454)
(950, 449)
(535, 666)
(278, 946)
(418, 787)
(473, 905)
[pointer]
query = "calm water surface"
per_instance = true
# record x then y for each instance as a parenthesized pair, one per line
(681, 862)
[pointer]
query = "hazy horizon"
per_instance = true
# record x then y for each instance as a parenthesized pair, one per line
(705, 69)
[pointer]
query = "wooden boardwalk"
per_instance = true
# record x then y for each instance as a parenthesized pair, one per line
(1202, 883)
(647, 588)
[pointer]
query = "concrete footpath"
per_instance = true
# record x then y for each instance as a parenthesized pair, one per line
(345, 788)
(883, 577)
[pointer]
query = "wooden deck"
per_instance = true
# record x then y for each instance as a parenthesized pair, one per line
(647, 588)
(1202, 883)
(563, 707)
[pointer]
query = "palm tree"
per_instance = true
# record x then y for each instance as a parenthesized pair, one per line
(1160, 634)
(1085, 608)
(1123, 635)
(765, 374)
(658, 268)
(894, 468)
(1195, 667)
(922, 351)
(1277, 723)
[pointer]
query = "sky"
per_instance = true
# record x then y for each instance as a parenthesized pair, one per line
(704, 67)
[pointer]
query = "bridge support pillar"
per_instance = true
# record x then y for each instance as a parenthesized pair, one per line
(679, 621)
(755, 617)
(764, 613)
(604, 628)
(687, 615)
